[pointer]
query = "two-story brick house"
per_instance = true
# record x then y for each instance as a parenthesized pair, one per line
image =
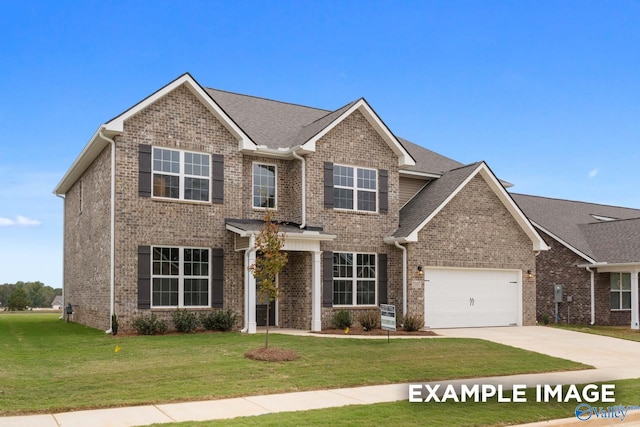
(162, 205)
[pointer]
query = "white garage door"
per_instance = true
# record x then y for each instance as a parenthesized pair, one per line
(458, 298)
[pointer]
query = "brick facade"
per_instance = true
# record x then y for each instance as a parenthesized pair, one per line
(559, 265)
(474, 230)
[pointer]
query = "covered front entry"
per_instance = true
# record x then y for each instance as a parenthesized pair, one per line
(300, 275)
(459, 298)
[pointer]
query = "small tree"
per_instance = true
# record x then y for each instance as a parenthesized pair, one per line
(269, 263)
(18, 300)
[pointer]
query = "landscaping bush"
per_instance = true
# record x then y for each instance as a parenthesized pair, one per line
(150, 325)
(185, 321)
(413, 323)
(342, 319)
(369, 320)
(219, 320)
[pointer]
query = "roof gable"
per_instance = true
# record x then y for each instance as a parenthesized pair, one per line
(420, 210)
(569, 222)
(404, 158)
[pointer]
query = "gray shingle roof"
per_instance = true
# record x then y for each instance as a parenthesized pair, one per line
(430, 198)
(277, 124)
(614, 241)
(574, 223)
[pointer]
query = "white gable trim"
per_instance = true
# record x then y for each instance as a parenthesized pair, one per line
(507, 201)
(404, 158)
(563, 243)
(116, 124)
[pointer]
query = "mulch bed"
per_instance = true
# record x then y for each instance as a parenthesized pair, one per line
(272, 354)
(359, 330)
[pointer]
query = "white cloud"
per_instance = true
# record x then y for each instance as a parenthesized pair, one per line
(593, 172)
(19, 221)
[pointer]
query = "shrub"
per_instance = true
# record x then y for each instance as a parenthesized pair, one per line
(413, 323)
(342, 319)
(114, 324)
(185, 321)
(219, 320)
(369, 320)
(545, 319)
(150, 325)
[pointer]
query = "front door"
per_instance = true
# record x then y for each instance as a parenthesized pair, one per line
(261, 309)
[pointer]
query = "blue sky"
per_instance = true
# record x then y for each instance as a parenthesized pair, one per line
(548, 93)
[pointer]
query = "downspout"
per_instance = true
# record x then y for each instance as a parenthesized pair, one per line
(404, 277)
(64, 220)
(247, 253)
(593, 297)
(112, 272)
(303, 164)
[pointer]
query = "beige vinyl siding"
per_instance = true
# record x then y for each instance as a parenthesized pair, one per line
(409, 187)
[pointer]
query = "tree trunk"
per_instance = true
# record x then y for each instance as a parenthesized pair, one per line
(266, 340)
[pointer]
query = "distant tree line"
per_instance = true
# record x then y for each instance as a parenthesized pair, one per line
(20, 295)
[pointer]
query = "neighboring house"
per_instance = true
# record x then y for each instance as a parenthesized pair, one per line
(163, 204)
(595, 255)
(57, 302)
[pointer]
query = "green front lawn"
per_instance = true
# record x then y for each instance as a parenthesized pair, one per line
(623, 332)
(447, 414)
(49, 365)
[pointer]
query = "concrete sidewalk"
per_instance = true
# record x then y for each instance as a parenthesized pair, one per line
(611, 357)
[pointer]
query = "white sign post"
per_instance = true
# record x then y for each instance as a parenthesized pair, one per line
(388, 318)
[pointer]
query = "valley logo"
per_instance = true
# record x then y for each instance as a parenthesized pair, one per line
(584, 412)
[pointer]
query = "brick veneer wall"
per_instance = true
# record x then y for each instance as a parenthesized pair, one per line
(295, 284)
(87, 244)
(179, 121)
(474, 230)
(560, 266)
(354, 142)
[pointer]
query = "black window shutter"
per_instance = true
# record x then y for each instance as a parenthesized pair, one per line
(382, 279)
(327, 279)
(144, 170)
(217, 278)
(217, 183)
(144, 277)
(328, 185)
(384, 191)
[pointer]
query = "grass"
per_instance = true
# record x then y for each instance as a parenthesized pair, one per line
(49, 365)
(623, 332)
(448, 414)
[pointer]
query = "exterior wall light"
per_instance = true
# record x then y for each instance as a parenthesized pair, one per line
(420, 272)
(529, 274)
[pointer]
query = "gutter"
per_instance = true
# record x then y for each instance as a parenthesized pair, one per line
(593, 297)
(303, 165)
(404, 277)
(64, 219)
(112, 272)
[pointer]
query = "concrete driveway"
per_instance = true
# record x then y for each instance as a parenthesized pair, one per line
(613, 358)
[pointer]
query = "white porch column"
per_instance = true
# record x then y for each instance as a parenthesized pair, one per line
(635, 319)
(251, 295)
(316, 292)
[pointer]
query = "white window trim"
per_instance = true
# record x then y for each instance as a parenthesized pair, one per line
(354, 280)
(355, 189)
(275, 191)
(620, 291)
(181, 175)
(181, 276)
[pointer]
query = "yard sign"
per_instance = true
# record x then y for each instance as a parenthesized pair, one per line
(388, 317)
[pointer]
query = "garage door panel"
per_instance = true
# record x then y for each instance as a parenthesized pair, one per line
(471, 298)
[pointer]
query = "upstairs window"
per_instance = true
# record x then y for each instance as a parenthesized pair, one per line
(620, 291)
(264, 186)
(181, 175)
(355, 188)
